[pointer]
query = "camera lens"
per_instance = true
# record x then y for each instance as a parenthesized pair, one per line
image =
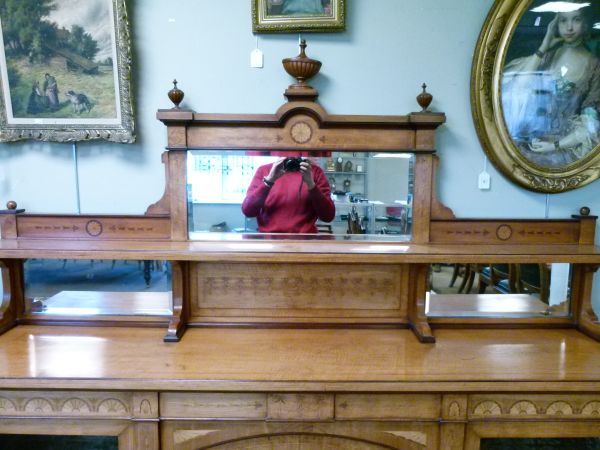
(292, 164)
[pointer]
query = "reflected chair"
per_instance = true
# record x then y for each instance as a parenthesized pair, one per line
(467, 272)
(502, 278)
(534, 279)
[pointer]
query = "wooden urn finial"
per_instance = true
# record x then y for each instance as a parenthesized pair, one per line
(424, 98)
(176, 95)
(302, 68)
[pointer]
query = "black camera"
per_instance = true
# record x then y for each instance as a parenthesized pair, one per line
(292, 164)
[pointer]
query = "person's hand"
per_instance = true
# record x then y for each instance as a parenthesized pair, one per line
(276, 171)
(307, 176)
(540, 146)
(552, 37)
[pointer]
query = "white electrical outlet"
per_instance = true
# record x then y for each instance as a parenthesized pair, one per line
(484, 181)
(256, 59)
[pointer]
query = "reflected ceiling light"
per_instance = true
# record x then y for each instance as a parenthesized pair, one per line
(560, 7)
(393, 155)
(383, 248)
(596, 26)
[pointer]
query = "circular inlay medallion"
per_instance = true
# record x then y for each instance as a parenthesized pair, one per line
(504, 232)
(93, 228)
(301, 132)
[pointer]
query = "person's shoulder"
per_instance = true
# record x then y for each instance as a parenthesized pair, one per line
(265, 168)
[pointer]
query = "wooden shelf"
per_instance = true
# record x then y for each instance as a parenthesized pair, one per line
(236, 248)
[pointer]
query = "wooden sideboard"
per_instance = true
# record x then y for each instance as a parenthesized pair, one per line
(299, 343)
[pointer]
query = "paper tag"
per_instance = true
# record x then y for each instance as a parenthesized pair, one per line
(484, 180)
(256, 58)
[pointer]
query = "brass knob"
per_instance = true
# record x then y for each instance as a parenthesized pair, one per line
(11, 204)
(584, 211)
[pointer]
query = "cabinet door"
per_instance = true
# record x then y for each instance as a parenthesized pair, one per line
(294, 435)
(555, 435)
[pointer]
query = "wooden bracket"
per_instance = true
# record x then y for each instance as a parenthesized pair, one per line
(178, 322)
(417, 318)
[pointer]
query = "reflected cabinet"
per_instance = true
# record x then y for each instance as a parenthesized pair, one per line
(381, 253)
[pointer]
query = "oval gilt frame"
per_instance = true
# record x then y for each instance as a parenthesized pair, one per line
(486, 103)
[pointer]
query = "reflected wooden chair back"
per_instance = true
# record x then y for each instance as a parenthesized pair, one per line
(534, 279)
(501, 278)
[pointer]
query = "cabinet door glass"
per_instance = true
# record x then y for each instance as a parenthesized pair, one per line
(541, 444)
(51, 442)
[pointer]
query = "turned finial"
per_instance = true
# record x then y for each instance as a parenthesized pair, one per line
(584, 211)
(176, 95)
(424, 98)
(11, 204)
(302, 48)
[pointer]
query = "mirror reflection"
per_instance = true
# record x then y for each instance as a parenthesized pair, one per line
(97, 287)
(337, 194)
(499, 290)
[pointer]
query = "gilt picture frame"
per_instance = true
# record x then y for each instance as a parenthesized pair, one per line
(65, 71)
(285, 16)
(535, 93)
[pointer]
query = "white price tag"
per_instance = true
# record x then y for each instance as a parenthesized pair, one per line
(256, 58)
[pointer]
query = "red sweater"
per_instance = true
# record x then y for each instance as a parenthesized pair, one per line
(288, 206)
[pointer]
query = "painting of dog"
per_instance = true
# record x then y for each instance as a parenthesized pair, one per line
(79, 102)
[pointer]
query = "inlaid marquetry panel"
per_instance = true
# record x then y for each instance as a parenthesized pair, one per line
(78, 404)
(306, 136)
(387, 406)
(209, 405)
(294, 435)
(98, 227)
(507, 232)
(528, 406)
(299, 290)
(454, 407)
(300, 406)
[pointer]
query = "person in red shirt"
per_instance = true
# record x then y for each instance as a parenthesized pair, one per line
(289, 201)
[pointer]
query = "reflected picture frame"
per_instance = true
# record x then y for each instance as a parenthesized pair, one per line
(539, 159)
(286, 16)
(70, 80)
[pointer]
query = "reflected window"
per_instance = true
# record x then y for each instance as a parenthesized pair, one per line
(370, 192)
(97, 287)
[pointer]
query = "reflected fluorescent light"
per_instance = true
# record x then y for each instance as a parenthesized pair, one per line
(393, 155)
(253, 246)
(596, 26)
(383, 248)
(560, 7)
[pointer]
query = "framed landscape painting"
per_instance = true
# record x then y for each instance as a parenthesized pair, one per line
(65, 70)
(272, 16)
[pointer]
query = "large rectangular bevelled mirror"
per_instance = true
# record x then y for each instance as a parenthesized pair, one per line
(516, 290)
(348, 195)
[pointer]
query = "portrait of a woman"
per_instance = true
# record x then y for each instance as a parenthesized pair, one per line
(551, 97)
(299, 7)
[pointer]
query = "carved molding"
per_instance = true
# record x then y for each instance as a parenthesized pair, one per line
(69, 404)
(577, 406)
